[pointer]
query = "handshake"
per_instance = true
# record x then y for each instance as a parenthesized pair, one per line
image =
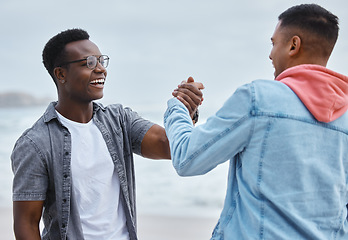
(190, 94)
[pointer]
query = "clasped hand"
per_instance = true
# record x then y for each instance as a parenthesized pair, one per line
(190, 94)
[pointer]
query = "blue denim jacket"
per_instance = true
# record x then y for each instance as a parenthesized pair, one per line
(41, 165)
(288, 172)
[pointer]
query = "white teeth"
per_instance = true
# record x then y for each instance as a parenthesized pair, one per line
(98, 81)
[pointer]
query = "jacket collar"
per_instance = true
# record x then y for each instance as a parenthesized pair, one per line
(323, 91)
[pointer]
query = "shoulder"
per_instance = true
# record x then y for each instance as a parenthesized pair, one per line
(39, 134)
(271, 90)
(35, 137)
(258, 93)
(261, 86)
(274, 96)
(33, 145)
(270, 87)
(116, 111)
(37, 131)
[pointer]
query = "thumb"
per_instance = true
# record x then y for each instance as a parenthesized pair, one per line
(190, 80)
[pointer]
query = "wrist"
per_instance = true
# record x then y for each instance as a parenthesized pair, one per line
(195, 117)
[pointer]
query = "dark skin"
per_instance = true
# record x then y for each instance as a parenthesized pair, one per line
(76, 92)
(187, 93)
(27, 215)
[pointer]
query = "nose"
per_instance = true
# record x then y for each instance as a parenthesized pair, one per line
(100, 68)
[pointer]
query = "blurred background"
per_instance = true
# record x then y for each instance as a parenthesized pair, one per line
(153, 45)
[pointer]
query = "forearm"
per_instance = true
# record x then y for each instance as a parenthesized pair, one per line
(197, 150)
(25, 231)
(178, 125)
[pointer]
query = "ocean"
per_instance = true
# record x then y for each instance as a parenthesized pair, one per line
(160, 190)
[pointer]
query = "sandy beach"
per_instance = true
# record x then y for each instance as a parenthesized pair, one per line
(175, 228)
(150, 227)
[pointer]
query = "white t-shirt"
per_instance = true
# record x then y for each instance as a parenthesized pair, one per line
(95, 183)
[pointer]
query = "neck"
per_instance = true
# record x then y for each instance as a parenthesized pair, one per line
(308, 57)
(320, 62)
(81, 113)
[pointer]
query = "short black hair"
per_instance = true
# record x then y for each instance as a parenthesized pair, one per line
(313, 20)
(53, 53)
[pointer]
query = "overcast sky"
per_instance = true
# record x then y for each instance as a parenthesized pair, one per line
(154, 44)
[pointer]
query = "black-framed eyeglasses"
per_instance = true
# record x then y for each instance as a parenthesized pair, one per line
(91, 61)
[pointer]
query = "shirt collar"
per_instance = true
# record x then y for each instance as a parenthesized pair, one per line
(51, 114)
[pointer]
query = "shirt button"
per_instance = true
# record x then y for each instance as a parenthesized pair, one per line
(65, 176)
(63, 225)
(64, 200)
(66, 153)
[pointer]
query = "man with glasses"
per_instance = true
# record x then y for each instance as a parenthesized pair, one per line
(75, 165)
(91, 61)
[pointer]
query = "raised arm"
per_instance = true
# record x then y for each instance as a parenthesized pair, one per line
(197, 150)
(155, 144)
(26, 216)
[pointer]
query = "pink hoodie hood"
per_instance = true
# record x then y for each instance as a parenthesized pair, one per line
(322, 91)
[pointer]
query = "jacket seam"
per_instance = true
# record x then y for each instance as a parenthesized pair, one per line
(259, 179)
(300, 119)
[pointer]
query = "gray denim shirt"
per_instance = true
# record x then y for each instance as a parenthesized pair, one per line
(42, 171)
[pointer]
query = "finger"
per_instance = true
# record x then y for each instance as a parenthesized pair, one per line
(194, 98)
(194, 103)
(197, 85)
(190, 80)
(191, 90)
(175, 93)
(187, 105)
(182, 82)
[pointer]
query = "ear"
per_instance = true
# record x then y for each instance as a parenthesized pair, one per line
(60, 74)
(295, 45)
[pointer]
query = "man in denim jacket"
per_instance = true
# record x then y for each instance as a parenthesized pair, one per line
(76, 163)
(286, 140)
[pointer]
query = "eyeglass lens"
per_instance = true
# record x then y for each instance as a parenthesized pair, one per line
(92, 61)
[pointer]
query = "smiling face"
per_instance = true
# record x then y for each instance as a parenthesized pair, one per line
(80, 84)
